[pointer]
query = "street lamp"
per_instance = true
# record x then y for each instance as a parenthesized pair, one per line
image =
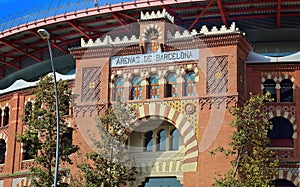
(45, 35)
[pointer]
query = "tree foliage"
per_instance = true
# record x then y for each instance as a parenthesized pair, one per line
(253, 165)
(111, 165)
(40, 134)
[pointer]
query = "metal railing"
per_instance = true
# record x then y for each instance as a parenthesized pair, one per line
(53, 8)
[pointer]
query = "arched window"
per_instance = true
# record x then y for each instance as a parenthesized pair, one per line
(119, 89)
(67, 137)
(171, 87)
(286, 90)
(6, 116)
(28, 153)
(2, 151)
(148, 141)
(27, 110)
(161, 140)
(66, 109)
(281, 134)
(174, 140)
(270, 87)
(136, 89)
(190, 84)
(153, 87)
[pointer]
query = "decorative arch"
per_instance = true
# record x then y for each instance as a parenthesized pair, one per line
(288, 116)
(278, 77)
(184, 127)
(288, 175)
(149, 27)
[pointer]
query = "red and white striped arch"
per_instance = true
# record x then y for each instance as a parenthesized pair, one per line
(181, 123)
(288, 175)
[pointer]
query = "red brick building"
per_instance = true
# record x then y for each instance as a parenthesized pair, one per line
(181, 84)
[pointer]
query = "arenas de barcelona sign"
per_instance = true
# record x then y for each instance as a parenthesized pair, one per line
(155, 58)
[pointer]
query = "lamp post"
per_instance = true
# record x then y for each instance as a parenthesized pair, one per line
(45, 35)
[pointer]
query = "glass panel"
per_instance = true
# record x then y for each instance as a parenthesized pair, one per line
(270, 86)
(190, 85)
(286, 91)
(174, 140)
(6, 116)
(171, 90)
(119, 89)
(281, 134)
(153, 87)
(2, 151)
(161, 140)
(148, 142)
(136, 90)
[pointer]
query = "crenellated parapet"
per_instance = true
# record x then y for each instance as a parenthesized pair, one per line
(108, 40)
(151, 16)
(204, 31)
(157, 15)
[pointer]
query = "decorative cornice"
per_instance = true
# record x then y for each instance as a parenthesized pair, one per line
(274, 67)
(218, 101)
(109, 41)
(157, 15)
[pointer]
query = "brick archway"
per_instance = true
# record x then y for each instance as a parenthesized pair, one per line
(181, 123)
(288, 175)
(286, 115)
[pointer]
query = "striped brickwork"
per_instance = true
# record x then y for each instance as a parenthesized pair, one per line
(181, 123)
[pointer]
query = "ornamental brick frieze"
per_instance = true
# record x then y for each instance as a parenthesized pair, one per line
(284, 154)
(275, 67)
(88, 110)
(27, 164)
(287, 110)
(218, 101)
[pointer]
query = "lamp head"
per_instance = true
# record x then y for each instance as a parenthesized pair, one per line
(44, 34)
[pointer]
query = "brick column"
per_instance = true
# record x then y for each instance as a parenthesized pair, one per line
(12, 129)
(19, 121)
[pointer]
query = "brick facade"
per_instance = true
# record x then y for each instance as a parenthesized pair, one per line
(222, 80)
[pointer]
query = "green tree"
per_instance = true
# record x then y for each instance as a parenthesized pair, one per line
(111, 164)
(253, 165)
(40, 134)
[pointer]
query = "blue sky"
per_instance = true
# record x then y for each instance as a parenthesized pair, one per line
(19, 7)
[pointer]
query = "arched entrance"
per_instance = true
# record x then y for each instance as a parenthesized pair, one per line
(158, 151)
(185, 129)
(283, 183)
